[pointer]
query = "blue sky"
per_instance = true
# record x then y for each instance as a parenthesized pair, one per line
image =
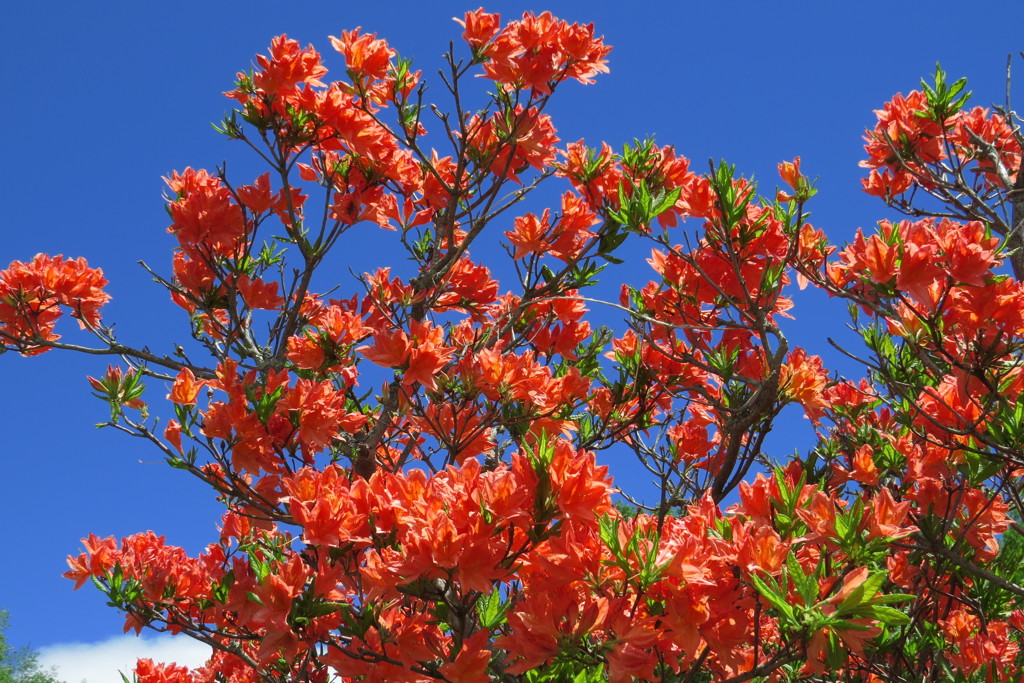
(105, 98)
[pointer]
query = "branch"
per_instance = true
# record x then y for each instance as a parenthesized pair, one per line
(939, 548)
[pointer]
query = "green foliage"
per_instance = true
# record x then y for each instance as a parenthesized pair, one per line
(944, 100)
(20, 666)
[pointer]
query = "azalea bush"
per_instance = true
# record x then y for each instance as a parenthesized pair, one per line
(414, 459)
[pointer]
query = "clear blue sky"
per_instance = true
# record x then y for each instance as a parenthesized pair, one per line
(104, 98)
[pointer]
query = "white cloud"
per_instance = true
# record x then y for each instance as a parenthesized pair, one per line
(101, 661)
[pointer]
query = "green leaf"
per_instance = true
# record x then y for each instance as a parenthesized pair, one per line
(492, 611)
(806, 585)
(667, 201)
(778, 601)
(888, 615)
(609, 531)
(890, 598)
(862, 593)
(319, 609)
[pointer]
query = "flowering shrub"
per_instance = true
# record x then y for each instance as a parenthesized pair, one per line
(410, 467)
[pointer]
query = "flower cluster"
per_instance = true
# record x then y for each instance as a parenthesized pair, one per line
(415, 466)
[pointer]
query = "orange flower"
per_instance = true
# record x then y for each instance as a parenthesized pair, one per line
(204, 212)
(540, 51)
(173, 434)
(887, 518)
(530, 234)
(97, 559)
(471, 662)
(390, 349)
(864, 470)
(480, 26)
(280, 74)
(257, 293)
(185, 389)
(31, 294)
(366, 56)
(582, 488)
(803, 379)
(790, 173)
